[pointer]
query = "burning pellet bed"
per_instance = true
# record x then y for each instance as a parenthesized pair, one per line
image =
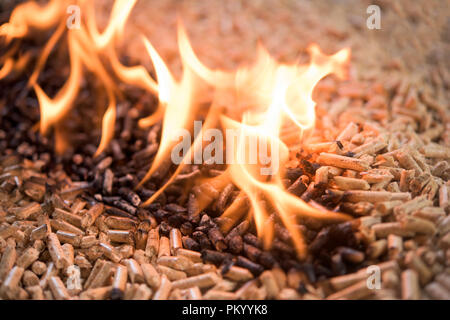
(104, 214)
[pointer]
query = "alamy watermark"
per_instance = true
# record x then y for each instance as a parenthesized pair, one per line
(242, 146)
(374, 20)
(74, 19)
(373, 281)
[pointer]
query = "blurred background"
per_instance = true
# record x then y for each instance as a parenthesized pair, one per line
(414, 37)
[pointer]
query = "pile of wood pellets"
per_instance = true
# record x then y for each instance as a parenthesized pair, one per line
(381, 154)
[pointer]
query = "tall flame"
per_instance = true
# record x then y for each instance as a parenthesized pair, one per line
(260, 100)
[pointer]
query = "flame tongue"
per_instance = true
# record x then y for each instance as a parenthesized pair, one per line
(261, 102)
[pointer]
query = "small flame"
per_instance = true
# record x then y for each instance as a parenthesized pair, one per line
(262, 101)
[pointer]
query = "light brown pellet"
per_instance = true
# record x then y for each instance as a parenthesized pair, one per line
(175, 241)
(345, 183)
(202, 281)
(164, 289)
(269, 282)
(8, 259)
(219, 295)
(134, 271)
(110, 252)
(67, 216)
(56, 252)
(194, 256)
(39, 267)
(30, 279)
(121, 236)
(329, 159)
(152, 247)
(58, 289)
(178, 262)
(151, 276)
(410, 285)
(102, 275)
(171, 274)
(119, 282)
(164, 247)
(238, 274)
(96, 293)
(68, 237)
(89, 218)
(358, 290)
(10, 286)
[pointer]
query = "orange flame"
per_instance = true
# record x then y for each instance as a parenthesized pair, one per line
(260, 100)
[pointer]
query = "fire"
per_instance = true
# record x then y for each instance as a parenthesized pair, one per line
(262, 101)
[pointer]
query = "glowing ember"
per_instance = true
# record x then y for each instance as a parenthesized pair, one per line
(260, 102)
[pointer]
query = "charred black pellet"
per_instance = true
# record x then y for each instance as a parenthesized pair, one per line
(147, 193)
(203, 229)
(174, 191)
(236, 244)
(337, 265)
(308, 167)
(207, 222)
(118, 212)
(98, 181)
(77, 159)
(224, 197)
(299, 186)
(193, 209)
(175, 208)
(288, 263)
(266, 259)
(331, 198)
(308, 269)
(176, 220)
(217, 239)
(161, 214)
(117, 150)
(127, 180)
(123, 205)
(164, 229)
(108, 180)
(282, 233)
(110, 200)
(105, 163)
(239, 230)
(251, 252)
(339, 144)
(294, 173)
(334, 236)
(253, 240)
(254, 268)
(215, 257)
(351, 255)
(116, 294)
(130, 196)
(202, 239)
(302, 288)
(191, 244)
(281, 246)
(321, 270)
(186, 228)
